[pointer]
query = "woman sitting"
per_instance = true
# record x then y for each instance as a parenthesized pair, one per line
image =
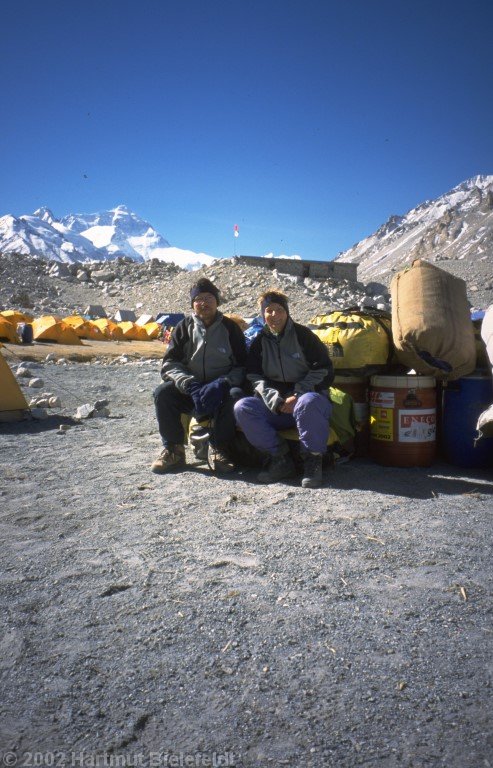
(290, 370)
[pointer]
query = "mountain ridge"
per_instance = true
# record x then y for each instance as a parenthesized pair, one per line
(455, 231)
(101, 236)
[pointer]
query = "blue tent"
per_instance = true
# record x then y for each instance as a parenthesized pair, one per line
(169, 320)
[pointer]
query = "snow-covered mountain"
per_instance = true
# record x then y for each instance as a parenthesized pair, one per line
(37, 235)
(99, 236)
(455, 231)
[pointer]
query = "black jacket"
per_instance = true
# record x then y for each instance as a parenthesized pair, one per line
(203, 354)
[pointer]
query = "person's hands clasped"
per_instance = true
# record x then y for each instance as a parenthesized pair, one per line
(288, 404)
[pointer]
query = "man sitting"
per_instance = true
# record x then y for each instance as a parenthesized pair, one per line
(203, 370)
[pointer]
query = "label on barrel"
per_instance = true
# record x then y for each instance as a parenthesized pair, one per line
(382, 423)
(417, 426)
(382, 399)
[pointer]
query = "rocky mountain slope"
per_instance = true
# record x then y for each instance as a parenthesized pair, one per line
(49, 287)
(455, 232)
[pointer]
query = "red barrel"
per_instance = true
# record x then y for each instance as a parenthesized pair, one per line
(403, 418)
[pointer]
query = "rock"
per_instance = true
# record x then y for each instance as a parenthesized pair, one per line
(102, 413)
(84, 411)
(41, 402)
(103, 276)
(59, 269)
(23, 372)
(39, 413)
(36, 383)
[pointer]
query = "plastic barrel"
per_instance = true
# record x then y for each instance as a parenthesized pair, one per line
(27, 334)
(463, 402)
(403, 420)
(357, 387)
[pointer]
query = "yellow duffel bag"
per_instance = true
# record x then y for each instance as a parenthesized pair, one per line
(359, 341)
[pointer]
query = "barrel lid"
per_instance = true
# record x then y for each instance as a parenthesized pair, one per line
(411, 381)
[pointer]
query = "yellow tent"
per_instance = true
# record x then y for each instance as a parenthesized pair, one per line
(109, 328)
(153, 329)
(50, 328)
(133, 332)
(12, 401)
(15, 317)
(8, 331)
(84, 328)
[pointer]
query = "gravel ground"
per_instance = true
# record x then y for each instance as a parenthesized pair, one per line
(196, 620)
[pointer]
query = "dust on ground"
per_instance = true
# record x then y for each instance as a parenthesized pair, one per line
(151, 619)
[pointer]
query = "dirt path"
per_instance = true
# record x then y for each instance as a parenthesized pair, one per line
(190, 616)
(88, 350)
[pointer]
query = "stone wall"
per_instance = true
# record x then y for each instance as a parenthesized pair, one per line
(304, 268)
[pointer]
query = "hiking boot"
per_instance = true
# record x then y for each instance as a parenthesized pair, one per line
(199, 440)
(312, 470)
(219, 461)
(169, 460)
(278, 467)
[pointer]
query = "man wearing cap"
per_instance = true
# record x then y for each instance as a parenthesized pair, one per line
(290, 371)
(202, 370)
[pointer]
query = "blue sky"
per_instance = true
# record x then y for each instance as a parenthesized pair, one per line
(306, 122)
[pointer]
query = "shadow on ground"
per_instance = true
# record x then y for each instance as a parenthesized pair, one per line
(34, 426)
(412, 482)
(363, 475)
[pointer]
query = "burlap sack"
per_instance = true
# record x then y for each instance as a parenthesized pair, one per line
(431, 322)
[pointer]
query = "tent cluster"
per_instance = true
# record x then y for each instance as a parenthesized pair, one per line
(74, 328)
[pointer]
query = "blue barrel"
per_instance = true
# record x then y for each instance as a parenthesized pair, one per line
(27, 334)
(463, 402)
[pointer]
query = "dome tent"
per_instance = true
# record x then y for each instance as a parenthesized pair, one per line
(12, 402)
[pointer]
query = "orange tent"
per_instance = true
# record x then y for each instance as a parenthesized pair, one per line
(84, 328)
(153, 329)
(12, 401)
(15, 317)
(8, 331)
(109, 328)
(50, 328)
(133, 332)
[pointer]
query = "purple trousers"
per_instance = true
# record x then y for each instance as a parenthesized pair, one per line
(310, 417)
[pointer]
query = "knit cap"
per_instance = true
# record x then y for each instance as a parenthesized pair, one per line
(203, 286)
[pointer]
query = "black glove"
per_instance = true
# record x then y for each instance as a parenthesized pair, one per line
(213, 394)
